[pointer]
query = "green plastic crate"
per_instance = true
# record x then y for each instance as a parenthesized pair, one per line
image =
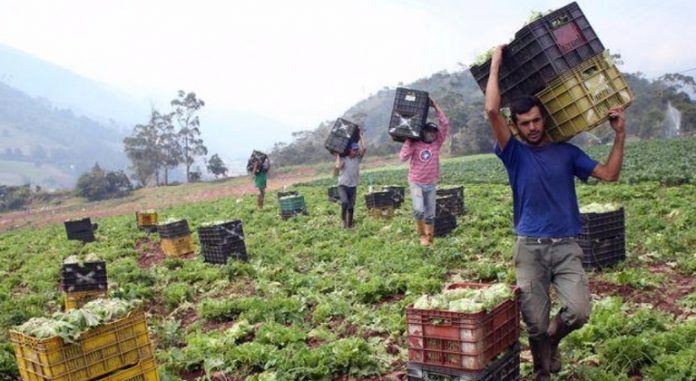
(292, 203)
(580, 99)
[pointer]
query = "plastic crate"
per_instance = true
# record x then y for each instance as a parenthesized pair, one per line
(97, 352)
(90, 276)
(78, 299)
(455, 207)
(146, 370)
(602, 225)
(602, 253)
(542, 51)
(379, 200)
(448, 204)
(173, 229)
(383, 212)
(580, 99)
(292, 203)
(219, 254)
(409, 114)
(285, 214)
(175, 247)
(444, 224)
(256, 156)
(505, 368)
(146, 218)
(80, 230)
(463, 341)
(226, 232)
(343, 133)
(398, 193)
(287, 193)
(333, 194)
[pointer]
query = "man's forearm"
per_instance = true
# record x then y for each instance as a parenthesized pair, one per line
(615, 160)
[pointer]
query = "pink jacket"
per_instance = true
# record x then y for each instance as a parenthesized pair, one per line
(424, 167)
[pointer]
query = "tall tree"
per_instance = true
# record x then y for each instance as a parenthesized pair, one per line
(142, 150)
(169, 147)
(216, 166)
(186, 105)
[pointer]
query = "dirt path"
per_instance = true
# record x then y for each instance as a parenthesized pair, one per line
(148, 198)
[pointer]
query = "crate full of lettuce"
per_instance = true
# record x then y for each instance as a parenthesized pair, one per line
(464, 327)
(103, 336)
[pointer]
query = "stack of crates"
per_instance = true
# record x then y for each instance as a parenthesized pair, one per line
(445, 345)
(117, 351)
(334, 196)
(175, 238)
(80, 229)
(409, 114)
(380, 204)
(398, 193)
(292, 205)
(343, 133)
(222, 241)
(560, 59)
(445, 219)
(146, 220)
(83, 282)
(603, 239)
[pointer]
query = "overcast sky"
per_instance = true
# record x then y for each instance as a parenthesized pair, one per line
(301, 62)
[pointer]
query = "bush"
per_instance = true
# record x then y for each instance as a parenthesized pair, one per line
(14, 197)
(98, 184)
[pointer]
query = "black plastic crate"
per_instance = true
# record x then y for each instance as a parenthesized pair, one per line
(256, 156)
(448, 204)
(409, 114)
(229, 231)
(602, 253)
(90, 276)
(343, 133)
(173, 229)
(398, 193)
(334, 196)
(454, 207)
(603, 225)
(80, 229)
(505, 368)
(444, 224)
(541, 51)
(148, 228)
(379, 200)
(286, 193)
(219, 254)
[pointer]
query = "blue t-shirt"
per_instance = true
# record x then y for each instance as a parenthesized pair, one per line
(543, 186)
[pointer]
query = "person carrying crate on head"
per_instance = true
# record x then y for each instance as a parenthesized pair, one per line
(348, 171)
(546, 216)
(424, 172)
(260, 172)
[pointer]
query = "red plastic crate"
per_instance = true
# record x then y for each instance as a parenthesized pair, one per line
(465, 341)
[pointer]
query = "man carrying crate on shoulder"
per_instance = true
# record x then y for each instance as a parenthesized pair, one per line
(424, 172)
(348, 171)
(546, 217)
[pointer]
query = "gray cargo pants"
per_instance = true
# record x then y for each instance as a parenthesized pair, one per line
(540, 263)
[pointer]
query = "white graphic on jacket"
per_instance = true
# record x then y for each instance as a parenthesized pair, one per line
(426, 155)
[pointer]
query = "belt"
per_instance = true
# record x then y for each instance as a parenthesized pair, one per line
(542, 240)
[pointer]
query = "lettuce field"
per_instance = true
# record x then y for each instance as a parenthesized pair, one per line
(315, 301)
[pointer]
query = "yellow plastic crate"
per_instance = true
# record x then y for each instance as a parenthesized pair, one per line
(146, 218)
(97, 352)
(384, 212)
(175, 247)
(78, 299)
(580, 99)
(145, 371)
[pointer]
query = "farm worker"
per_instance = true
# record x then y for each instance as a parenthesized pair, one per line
(260, 172)
(546, 216)
(348, 168)
(424, 172)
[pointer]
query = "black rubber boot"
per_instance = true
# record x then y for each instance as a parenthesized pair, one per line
(557, 330)
(541, 355)
(350, 217)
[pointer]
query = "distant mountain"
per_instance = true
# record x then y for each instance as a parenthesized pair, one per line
(65, 89)
(49, 146)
